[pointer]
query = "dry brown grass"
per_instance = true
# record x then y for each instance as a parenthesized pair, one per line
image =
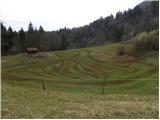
(16, 103)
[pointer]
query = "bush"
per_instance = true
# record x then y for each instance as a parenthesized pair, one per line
(128, 50)
(121, 51)
(149, 41)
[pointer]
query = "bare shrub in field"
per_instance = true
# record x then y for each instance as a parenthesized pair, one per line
(121, 51)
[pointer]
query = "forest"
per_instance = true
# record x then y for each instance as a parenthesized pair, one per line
(121, 27)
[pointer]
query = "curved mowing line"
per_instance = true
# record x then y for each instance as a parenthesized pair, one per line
(75, 71)
(111, 65)
(87, 71)
(65, 70)
(70, 69)
(33, 71)
(80, 65)
(88, 67)
(111, 68)
(92, 66)
(83, 73)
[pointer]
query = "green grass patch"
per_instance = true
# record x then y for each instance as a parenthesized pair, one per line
(74, 81)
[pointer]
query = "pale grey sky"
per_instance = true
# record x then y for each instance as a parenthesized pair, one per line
(55, 14)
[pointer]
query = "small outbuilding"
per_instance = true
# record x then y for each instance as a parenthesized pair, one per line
(31, 50)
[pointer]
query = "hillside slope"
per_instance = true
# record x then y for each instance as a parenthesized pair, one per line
(85, 67)
(74, 83)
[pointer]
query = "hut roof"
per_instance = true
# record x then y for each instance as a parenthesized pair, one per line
(31, 49)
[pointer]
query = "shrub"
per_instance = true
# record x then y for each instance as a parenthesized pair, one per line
(149, 41)
(121, 50)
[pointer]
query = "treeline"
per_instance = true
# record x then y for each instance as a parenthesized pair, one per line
(125, 25)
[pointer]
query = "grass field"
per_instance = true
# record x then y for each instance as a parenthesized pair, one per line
(74, 81)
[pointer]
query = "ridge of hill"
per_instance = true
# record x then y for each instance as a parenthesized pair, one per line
(124, 26)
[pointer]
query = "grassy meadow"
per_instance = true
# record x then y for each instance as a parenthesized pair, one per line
(74, 80)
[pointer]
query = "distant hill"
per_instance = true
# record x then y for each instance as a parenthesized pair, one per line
(122, 27)
(145, 4)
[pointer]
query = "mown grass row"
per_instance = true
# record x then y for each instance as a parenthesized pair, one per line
(74, 82)
(70, 68)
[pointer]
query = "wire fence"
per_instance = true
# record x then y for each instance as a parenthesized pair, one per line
(46, 84)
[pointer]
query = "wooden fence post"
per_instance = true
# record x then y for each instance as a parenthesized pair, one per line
(103, 85)
(43, 84)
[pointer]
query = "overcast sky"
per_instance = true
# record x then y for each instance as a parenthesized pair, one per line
(55, 14)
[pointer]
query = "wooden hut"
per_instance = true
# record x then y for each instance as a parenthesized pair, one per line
(31, 50)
